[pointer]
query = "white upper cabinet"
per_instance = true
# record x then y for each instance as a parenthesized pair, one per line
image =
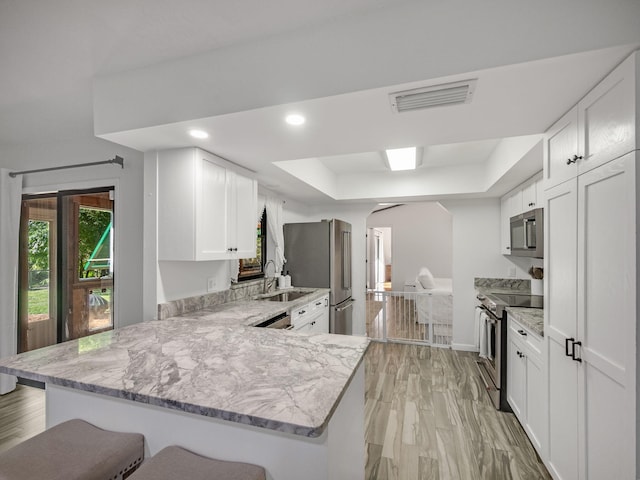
(523, 198)
(561, 145)
(606, 118)
(206, 210)
(599, 128)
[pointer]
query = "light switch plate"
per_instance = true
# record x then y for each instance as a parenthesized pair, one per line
(211, 284)
(512, 272)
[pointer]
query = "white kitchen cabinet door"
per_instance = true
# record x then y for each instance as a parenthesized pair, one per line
(529, 197)
(243, 221)
(560, 262)
(607, 313)
(563, 460)
(561, 146)
(212, 225)
(561, 240)
(540, 187)
(510, 206)
(536, 403)
(606, 118)
(505, 227)
(516, 375)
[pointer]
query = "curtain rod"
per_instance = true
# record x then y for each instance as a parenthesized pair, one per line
(117, 161)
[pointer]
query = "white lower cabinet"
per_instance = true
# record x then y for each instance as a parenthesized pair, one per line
(312, 317)
(320, 321)
(526, 392)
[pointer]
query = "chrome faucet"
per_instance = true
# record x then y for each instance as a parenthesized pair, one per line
(265, 289)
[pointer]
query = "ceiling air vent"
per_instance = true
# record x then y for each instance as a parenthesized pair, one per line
(434, 96)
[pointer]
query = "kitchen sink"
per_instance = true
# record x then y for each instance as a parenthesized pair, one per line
(285, 296)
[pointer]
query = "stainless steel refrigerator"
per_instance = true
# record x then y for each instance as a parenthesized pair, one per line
(319, 255)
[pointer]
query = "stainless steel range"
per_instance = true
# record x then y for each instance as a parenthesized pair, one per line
(493, 368)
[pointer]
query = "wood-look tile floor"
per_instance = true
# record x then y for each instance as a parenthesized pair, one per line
(428, 416)
(426, 412)
(21, 415)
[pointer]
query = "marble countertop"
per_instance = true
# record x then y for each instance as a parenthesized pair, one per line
(275, 379)
(250, 312)
(508, 291)
(531, 318)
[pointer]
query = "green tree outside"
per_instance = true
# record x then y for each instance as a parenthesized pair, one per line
(92, 224)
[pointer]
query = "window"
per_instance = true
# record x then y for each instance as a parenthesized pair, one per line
(251, 268)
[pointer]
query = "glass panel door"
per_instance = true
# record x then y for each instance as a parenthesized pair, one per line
(87, 259)
(38, 312)
(66, 267)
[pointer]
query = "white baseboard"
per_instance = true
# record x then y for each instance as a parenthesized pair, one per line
(464, 347)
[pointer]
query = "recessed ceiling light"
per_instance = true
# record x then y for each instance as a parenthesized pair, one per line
(294, 119)
(402, 158)
(198, 134)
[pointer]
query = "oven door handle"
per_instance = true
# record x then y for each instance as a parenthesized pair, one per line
(490, 316)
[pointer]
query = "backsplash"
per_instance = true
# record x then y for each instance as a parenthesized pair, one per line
(238, 291)
(519, 284)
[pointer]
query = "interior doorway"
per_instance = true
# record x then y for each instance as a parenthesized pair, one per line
(379, 259)
(66, 275)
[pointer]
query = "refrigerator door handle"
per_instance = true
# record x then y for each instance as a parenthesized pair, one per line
(346, 259)
(348, 305)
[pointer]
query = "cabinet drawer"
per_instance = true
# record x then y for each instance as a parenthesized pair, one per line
(299, 314)
(318, 304)
(531, 341)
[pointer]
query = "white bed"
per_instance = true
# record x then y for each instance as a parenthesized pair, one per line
(435, 305)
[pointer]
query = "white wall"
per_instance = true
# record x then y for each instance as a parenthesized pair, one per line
(356, 215)
(476, 253)
(128, 206)
(421, 237)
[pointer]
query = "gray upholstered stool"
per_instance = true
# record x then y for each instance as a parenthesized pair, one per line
(173, 463)
(73, 450)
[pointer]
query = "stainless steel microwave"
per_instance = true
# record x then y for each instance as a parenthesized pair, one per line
(527, 239)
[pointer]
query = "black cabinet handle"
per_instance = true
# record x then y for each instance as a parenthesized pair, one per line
(522, 332)
(574, 159)
(573, 351)
(229, 249)
(566, 347)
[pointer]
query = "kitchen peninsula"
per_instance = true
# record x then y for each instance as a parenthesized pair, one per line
(293, 403)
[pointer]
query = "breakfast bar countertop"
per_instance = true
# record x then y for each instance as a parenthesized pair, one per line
(275, 379)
